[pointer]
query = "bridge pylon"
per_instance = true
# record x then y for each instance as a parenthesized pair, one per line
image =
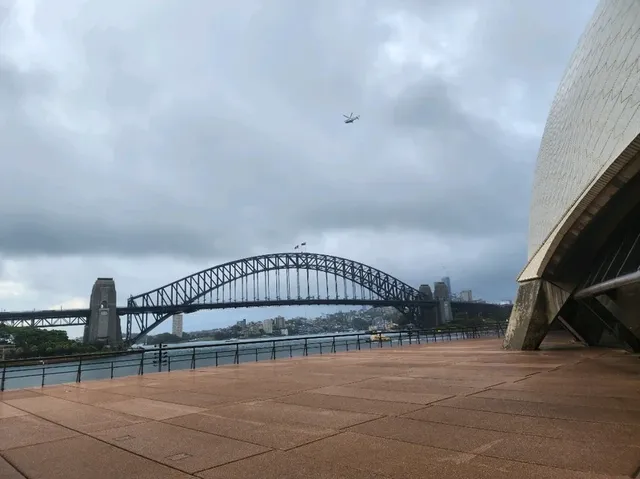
(103, 324)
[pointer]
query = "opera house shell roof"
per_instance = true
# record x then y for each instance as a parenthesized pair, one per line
(588, 151)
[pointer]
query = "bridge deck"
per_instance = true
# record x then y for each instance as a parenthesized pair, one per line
(451, 410)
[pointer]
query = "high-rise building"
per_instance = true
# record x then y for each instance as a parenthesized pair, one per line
(426, 290)
(446, 280)
(440, 290)
(267, 326)
(280, 322)
(176, 328)
(242, 323)
(466, 296)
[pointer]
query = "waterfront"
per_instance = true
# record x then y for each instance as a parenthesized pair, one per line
(459, 409)
(215, 353)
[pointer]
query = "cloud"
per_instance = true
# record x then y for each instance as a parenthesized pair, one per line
(154, 133)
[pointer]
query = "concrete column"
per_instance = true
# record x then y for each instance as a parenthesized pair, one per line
(537, 305)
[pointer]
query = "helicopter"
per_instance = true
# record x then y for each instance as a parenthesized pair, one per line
(351, 118)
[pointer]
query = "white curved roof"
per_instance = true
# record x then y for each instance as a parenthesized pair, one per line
(594, 117)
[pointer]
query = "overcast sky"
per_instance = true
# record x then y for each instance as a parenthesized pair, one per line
(146, 139)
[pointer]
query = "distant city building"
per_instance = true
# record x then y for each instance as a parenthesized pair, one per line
(446, 280)
(267, 326)
(440, 290)
(176, 328)
(466, 296)
(280, 322)
(426, 290)
(242, 324)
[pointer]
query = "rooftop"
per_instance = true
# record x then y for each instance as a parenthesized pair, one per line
(450, 410)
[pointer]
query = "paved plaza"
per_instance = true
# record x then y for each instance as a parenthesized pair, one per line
(464, 409)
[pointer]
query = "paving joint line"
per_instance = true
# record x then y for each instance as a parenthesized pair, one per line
(476, 454)
(538, 417)
(15, 466)
(586, 441)
(105, 442)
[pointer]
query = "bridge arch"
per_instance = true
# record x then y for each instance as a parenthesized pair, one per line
(179, 295)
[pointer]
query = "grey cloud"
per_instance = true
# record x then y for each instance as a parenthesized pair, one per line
(212, 131)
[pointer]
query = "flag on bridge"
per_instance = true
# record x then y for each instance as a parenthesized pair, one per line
(297, 246)
(303, 244)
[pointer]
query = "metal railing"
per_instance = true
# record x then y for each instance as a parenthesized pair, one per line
(66, 369)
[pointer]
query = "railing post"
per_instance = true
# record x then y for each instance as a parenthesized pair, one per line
(111, 370)
(216, 358)
(333, 344)
(400, 338)
(79, 372)
(410, 338)
(160, 358)
(358, 342)
(4, 375)
(236, 358)
(273, 350)
(256, 354)
(169, 363)
(346, 344)
(306, 345)
(418, 336)
(291, 350)
(141, 368)
(43, 373)
(193, 358)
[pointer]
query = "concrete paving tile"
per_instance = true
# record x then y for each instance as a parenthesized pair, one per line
(27, 430)
(401, 460)
(38, 404)
(505, 469)
(558, 411)
(275, 436)
(195, 399)
(180, 448)
(84, 396)
(417, 385)
(452, 372)
(381, 395)
(150, 409)
(85, 418)
(612, 459)
(343, 403)
(111, 383)
(285, 465)
(606, 433)
(9, 411)
(535, 396)
(7, 471)
(439, 435)
(18, 394)
(83, 457)
(292, 414)
(584, 387)
(138, 391)
(595, 457)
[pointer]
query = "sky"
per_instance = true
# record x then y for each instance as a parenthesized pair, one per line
(145, 140)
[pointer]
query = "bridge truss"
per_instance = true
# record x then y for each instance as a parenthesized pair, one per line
(275, 279)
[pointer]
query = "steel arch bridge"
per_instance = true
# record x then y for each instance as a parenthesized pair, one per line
(308, 278)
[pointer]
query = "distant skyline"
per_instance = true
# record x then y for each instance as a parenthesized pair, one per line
(148, 140)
